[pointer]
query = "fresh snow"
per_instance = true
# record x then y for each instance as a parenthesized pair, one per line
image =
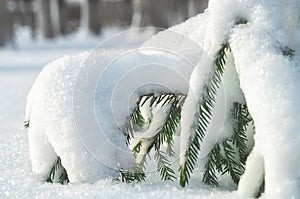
(79, 101)
(79, 105)
(269, 81)
(18, 71)
(17, 181)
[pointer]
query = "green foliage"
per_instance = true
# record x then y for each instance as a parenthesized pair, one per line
(233, 166)
(58, 173)
(214, 163)
(240, 120)
(129, 177)
(286, 51)
(234, 149)
(261, 189)
(163, 166)
(163, 136)
(26, 124)
(226, 156)
(204, 115)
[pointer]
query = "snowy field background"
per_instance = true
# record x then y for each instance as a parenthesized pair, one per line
(18, 69)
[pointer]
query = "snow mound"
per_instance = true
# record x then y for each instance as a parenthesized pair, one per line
(79, 106)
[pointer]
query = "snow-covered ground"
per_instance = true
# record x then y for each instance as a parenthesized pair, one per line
(263, 37)
(18, 70)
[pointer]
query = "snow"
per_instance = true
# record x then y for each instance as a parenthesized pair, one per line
(270, 83)
(18, 70)
(81, 100)
(79, 105)
(277, 82)
(101, 86)
(17, 181)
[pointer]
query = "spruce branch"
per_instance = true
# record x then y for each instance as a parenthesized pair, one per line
(26, 124)
(233, 166)
(286, 51)
(130, 177)
(164, 166)
(213, 164)
(205, 114)
(58, 173)
(165, 134)
(240, 118)
(261, 189)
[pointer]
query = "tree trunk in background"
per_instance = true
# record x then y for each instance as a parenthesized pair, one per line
(5, 24)
(62, 16)
(93, 18)
(55, 17)
(45, 18)
(89, 17)
(183, 9)
(196, 6)
(32, 19)
(178, 11)
(154, 14)
(137, 14)
(84, 16)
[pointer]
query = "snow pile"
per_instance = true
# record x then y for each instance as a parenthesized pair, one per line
(79, 105)
(270, 82)
(52, 129)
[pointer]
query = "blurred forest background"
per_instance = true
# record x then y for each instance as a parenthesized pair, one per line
(53, 18)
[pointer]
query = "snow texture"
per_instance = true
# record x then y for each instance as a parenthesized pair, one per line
(18, 70)
(269, 78)
(68, 90)
(79, 105)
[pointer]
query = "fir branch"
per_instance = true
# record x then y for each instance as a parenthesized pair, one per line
(136, 121)
(241, 118)
(213, 164)
(172, 121)
(130, 177)
(261, 189)
(26, 124)
(58, 173)
(165, 133)
(191, 158)
(205, 114)
(163, 166)
(287, 52)
(137, 148)
(233, 166)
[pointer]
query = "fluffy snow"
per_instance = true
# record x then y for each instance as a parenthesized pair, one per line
(277, 80)
(18, 71)
(17, 181)
(270, 82)
(102, 87)
(79, 105)
(82, 100)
